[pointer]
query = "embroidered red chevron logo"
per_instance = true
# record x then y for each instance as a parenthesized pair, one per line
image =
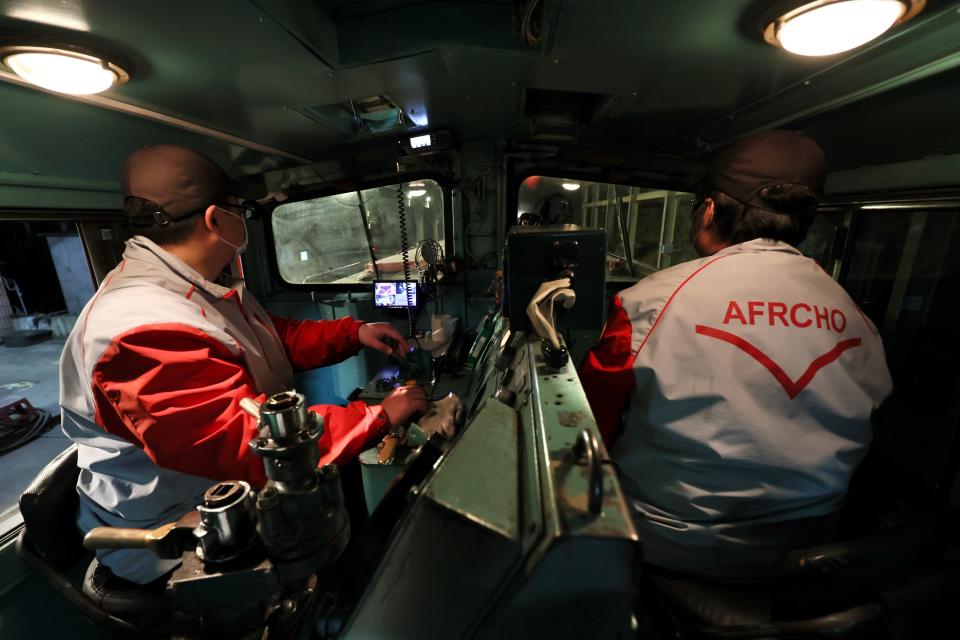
(793, 388)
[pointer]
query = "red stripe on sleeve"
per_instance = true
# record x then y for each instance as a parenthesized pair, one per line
(674, 294)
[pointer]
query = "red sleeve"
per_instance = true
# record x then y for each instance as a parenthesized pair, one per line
(349, 430)
(607, 372)
(175, 391)
(317, 343)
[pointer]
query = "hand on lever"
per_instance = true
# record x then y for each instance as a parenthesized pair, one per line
(403, 403)
(374, 335)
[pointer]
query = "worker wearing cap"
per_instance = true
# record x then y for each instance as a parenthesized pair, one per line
(735, 391)
(152, 376)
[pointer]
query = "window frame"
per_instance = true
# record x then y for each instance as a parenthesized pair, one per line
(857, 207)
(513, 199)
(84, 220)
(337, 189)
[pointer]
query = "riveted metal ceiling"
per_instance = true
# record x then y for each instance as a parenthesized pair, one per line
(660, 78)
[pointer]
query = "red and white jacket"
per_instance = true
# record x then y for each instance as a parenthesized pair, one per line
(746, 381)
(151, 378)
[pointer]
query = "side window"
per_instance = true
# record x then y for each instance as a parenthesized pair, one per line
(647, 229)
(354, 237)
(45, 282)
(821, 236)
(904, 272)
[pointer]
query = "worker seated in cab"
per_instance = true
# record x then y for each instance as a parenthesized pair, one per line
(745, 380)
(153, 374)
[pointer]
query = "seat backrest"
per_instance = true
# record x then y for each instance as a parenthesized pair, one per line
(49, 510)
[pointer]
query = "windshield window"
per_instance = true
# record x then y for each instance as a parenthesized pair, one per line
(647, 229)
(354, 237)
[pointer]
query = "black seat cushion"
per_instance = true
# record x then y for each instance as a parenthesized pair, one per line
(140, 604)
(702, 609)
(701, 602)
(49, 509)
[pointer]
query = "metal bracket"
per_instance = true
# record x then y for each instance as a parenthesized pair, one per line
(586, 444)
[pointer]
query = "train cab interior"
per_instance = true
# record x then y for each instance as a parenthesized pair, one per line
(431, 164)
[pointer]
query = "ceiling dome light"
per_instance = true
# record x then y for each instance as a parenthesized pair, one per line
(827, 27)
(63, 70)
(570, 186)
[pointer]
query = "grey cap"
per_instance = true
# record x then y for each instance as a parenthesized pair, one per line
(177, 182)
(766, 159)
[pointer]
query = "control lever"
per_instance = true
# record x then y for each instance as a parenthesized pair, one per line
(390, 442)
(540, 312)
(251, 406)
(168, 541)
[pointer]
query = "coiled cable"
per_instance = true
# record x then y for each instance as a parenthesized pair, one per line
(405, 256)
(14, 437)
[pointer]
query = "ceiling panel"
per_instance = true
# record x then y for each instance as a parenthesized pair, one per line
(680, 76)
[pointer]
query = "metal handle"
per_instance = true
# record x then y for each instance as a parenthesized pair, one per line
(167, 541)
(389, 449)
(120, 538)
(587, 444)
(251, 406)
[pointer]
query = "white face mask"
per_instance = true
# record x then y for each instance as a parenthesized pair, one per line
(238, 248)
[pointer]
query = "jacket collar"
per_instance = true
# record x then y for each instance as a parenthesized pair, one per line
(144, 250)
(758, 245)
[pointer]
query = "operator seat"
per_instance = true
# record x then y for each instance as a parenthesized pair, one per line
(846, 589)
(52, 545)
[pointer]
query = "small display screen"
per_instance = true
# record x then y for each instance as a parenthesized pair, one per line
(420, 142)
(395, 294)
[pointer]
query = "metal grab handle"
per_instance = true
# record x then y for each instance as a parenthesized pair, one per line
(167, 541)
(122, 538)
(386, 454)
(587, 444)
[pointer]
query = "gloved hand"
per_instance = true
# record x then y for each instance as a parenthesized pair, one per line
(374, 335)
(442, 417)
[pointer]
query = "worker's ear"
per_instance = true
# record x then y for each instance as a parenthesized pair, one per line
(709, 207)
(210, 218)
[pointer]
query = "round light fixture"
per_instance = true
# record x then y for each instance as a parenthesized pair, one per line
(570, 186)
(63, 70)
(827, 27)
